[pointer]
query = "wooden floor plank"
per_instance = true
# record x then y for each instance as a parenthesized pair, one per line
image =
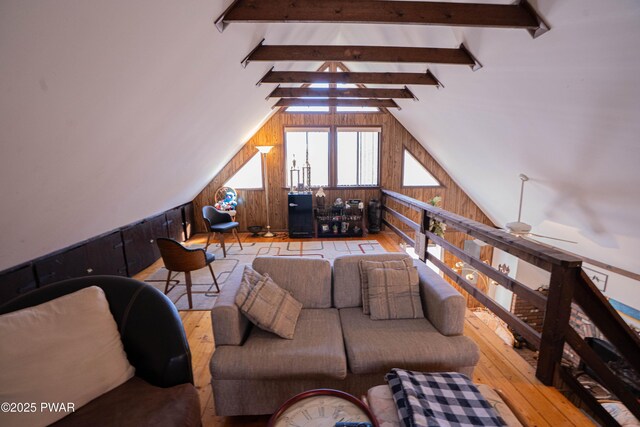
(499, 367)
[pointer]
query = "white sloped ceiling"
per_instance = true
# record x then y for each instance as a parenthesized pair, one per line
(114, 111)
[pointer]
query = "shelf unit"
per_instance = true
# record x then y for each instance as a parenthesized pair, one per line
(339, 222)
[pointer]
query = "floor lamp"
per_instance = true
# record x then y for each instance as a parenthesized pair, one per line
(264, 149)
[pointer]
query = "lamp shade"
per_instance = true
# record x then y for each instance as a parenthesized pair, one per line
(264, 149)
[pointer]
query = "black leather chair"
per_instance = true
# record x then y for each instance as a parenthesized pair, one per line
(178, 258)
(156, 345)
(219, 222)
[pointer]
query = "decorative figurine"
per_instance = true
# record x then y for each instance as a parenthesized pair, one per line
(320, 198)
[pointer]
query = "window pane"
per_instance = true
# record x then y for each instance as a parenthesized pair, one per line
(296, 142)
(416, 175)
(357, 109)
(248, 176)
(368, 158)
(358, 157)
(347, 158)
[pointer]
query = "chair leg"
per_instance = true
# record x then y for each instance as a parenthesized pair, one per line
(208, 237)
(214, 277)
(224, 250)
(166, 286)
(237, 237)
(187, 276)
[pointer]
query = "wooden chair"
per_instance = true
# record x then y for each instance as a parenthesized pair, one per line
(178, 258)
(219, 222)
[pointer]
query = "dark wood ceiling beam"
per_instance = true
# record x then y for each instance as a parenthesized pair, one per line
(304, 102)
(520, 15)
(311, 92)
(309, 77)
(274, 53)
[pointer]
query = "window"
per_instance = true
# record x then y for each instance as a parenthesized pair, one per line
(305, 109)
(358, 156)
(248, 176)
(317, 140)
(416, 175)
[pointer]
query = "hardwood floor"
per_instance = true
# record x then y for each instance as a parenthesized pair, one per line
(500, 366)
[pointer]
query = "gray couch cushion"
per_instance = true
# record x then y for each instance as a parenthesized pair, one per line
(308, 279)
(316, 351)
(414, 344)
(346, 277)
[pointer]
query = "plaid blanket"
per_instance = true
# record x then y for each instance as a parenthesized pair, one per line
(439, 399)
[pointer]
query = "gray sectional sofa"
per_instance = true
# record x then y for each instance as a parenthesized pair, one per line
(335, 345)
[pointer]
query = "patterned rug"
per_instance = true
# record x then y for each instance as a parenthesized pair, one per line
(229, 269)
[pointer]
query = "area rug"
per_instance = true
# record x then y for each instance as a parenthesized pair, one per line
(229, 269)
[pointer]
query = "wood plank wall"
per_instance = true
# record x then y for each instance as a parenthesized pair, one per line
(394, 137)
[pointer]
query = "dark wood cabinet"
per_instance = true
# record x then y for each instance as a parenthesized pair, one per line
(174, 224)
(300, 215)
(17, 282)
(140, 247)
(103, 255)
(188, 219)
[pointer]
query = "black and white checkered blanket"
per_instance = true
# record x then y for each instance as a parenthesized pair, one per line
(439, 399)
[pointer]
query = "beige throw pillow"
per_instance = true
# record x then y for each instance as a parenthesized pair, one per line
(67, 350)
(365, 266)
(394, 294)
(269, 307)
(250, 278)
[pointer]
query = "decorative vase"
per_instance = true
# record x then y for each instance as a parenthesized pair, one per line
(374, 216)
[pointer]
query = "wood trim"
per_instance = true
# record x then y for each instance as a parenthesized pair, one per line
(308, 102)
(530, 334)
(529, 251)
(607, 319)
(587, 398)
(611, 381)
(306, 92)
(270, 53)
(399, 232)
(309, 77)
(556, 321)
(534, 297)
(382, 12)
(401, 217)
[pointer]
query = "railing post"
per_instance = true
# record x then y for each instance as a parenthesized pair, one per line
(556, 320)
(421, 239)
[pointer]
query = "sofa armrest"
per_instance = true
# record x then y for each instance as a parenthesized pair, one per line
(443, 305)
(229, 325)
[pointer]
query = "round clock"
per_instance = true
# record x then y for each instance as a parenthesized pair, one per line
(323, 408)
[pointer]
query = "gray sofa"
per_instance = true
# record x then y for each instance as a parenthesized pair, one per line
(335, 344)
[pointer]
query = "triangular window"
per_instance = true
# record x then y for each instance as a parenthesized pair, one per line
(249, 176)
(414, 174)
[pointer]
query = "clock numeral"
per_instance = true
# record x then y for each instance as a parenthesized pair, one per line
(321, 412)
(306, 414)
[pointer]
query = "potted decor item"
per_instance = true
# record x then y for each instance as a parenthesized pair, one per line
(436, 227)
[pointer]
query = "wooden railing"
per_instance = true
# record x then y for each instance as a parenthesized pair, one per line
(568, 284)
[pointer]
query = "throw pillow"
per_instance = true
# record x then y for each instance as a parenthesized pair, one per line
(365, 266)
(271, 308)
(394, 294)
(65, 350)
(250, 278)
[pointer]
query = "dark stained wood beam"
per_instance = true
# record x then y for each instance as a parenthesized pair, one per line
(271, 53)
(520, 15)
(305, 102)
(311, 92)
(309, 77)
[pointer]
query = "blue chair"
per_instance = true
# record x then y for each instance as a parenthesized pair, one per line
(219, 222)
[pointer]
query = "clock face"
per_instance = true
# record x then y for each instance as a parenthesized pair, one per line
(320, 410)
